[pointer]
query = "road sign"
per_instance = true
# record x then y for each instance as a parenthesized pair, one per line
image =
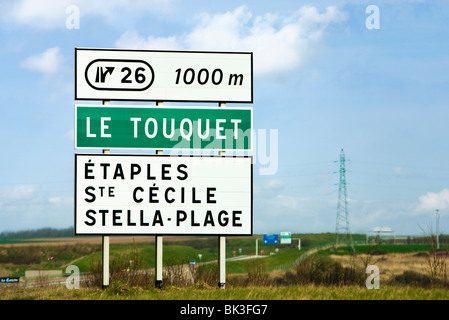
(144, 75)
(162, 195)
(137, 127)
(9, 279)
(286, 237)
(270, 239)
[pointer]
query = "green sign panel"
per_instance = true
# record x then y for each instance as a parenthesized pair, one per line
(135, 127)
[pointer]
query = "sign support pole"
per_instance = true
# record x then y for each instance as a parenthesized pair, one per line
(105, 246)
(257, 247)
(158, 244)
(222, 262)
(222, 244)
(158, 262)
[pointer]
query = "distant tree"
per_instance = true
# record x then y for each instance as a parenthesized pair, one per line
(38, 233)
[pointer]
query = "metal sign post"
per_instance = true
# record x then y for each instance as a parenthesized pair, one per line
(105, 250)
(158, 244)
(257, 247)
(222, 243)
(158, 262)
(105, 246)
(221, 262)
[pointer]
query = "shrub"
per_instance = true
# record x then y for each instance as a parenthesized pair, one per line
(322, 270)
(257, 274)
(21, 255)
(125, 270)
(412, 278)
(175, 273)
(206, 273)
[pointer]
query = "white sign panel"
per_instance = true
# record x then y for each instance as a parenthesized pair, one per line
(157, 194)
(143, 75)
(286, 237)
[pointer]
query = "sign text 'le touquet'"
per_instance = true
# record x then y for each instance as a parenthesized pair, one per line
(159, 128)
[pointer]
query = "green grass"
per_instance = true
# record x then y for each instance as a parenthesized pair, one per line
(382, 248)
(172, 254)
(284, 257)
(179, 252)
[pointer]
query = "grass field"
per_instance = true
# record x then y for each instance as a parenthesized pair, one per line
(274, 277)
(309, 292)
(20, 254)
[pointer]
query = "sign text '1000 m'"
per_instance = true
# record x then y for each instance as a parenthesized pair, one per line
(189, 76)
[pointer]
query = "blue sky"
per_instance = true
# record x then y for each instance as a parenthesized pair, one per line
(323, 81)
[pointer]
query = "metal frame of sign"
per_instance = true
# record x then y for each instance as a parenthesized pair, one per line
(168, 98)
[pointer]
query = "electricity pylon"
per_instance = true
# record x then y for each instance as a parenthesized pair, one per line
(342, 229)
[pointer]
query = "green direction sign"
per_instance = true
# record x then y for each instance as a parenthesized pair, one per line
(138, 127)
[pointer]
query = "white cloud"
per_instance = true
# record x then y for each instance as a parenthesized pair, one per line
(28, 207)
(280, 44)
(432, 201)
(398, 170)
(274, 184)
(49, 14)
(288, 202)
(38, 13)
(401, 172)
(70, 134)
(131, 40)
(22, 192)
(54, 200)
(269, 189)
(47, 62)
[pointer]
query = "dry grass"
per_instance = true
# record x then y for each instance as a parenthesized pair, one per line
(95, 240)
(391, 264)
(195, 292)
(253, 286)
